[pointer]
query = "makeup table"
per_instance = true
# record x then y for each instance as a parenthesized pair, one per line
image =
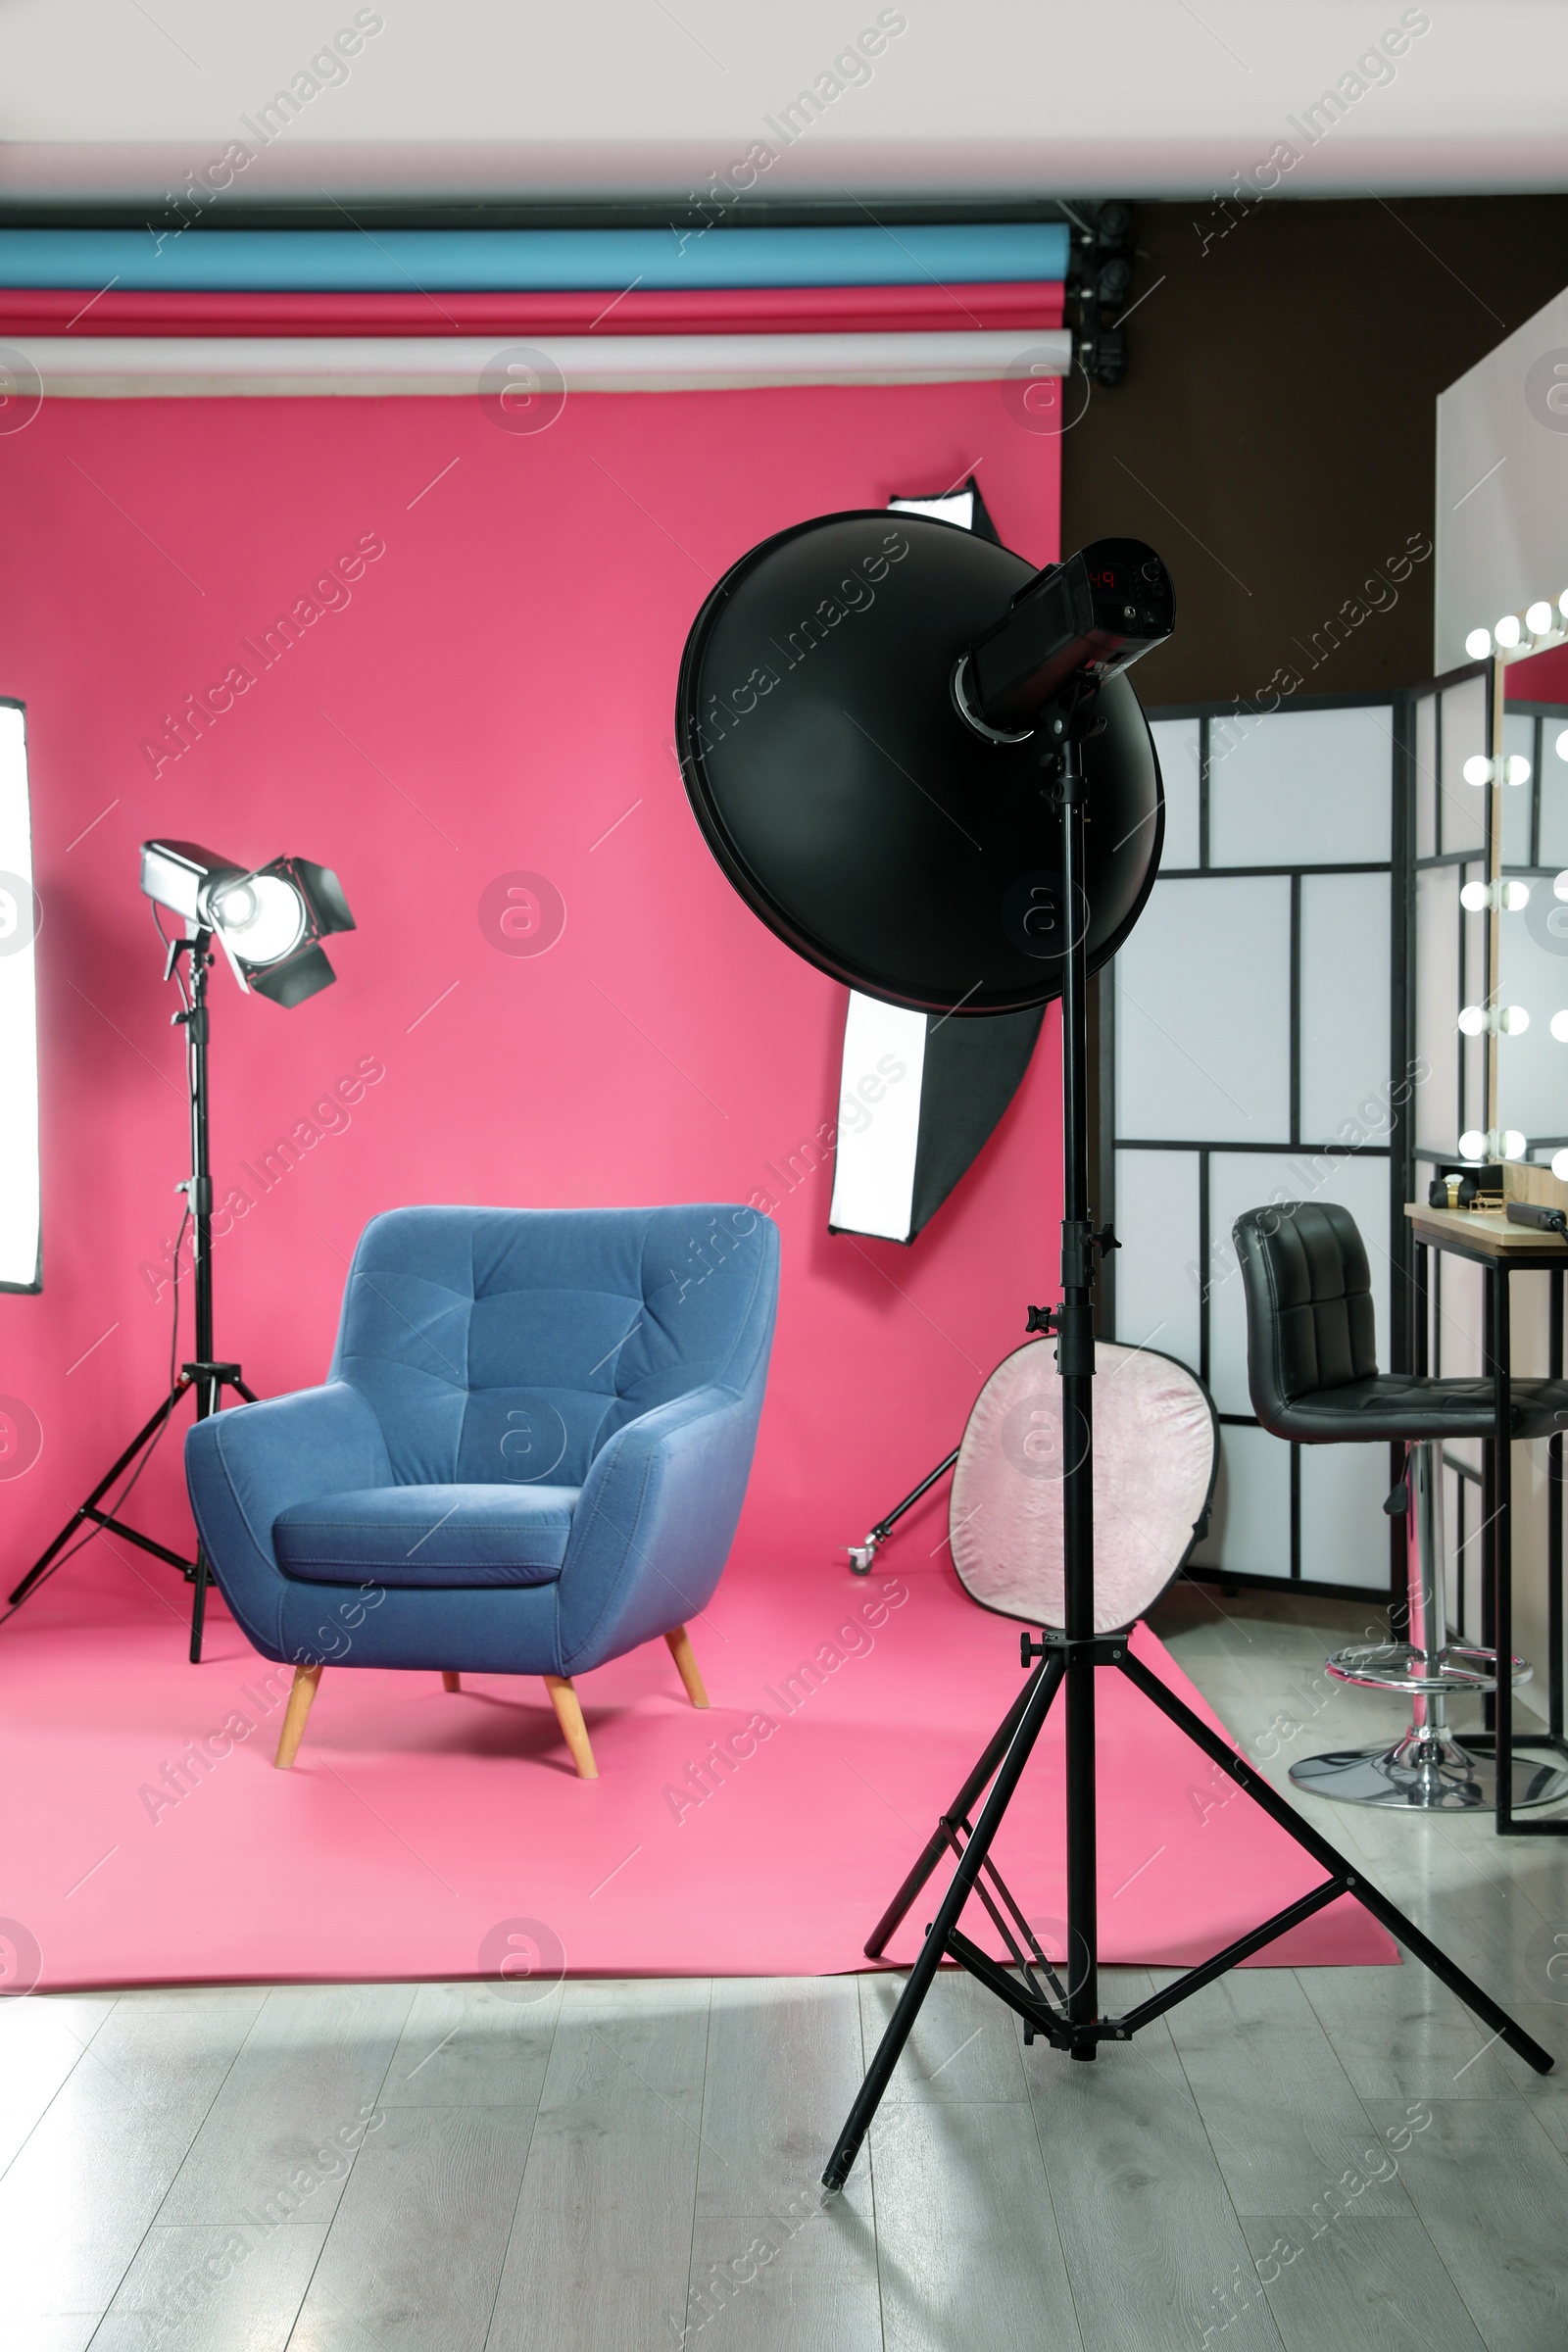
(1502, 1250)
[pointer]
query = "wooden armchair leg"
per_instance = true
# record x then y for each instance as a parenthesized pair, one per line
(680, 1650)
(305, 1679)
(450, 1681)
(573, 1730)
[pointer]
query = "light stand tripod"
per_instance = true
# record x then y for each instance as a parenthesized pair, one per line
(1069, 2018)
(208, 1377)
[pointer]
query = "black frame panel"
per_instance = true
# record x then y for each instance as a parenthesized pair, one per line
(1399, 1152)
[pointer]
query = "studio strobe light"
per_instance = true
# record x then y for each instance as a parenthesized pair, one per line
(922, 764)
(270, 922)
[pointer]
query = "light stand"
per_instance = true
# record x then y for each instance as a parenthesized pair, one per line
(1069, 2018)
(831, 670)
(208, 1377)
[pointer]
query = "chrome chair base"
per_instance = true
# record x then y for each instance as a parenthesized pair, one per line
(1434, 1774)
(1426, 1769)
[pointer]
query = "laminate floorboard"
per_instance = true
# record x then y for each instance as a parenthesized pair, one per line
(1148, 2228)
(1361, 2285)
(40, 2043)
(1492, 2193)
(601, 2254)
(811, 2286)
(785, 2058)
(89, 2180)
(301, 2094)
(193, 2286)
(970, 2256)
(413, 2258)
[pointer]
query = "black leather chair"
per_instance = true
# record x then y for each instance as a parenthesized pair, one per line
(1311, 1360)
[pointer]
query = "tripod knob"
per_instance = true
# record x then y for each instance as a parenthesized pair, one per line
(1042, 1318)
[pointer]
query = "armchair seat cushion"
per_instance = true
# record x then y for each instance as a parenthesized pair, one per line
(440, 1537)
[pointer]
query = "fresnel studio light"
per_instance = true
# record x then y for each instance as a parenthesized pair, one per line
(270, 922)
(921, 763)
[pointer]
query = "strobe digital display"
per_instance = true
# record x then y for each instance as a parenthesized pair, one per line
(1091, 616)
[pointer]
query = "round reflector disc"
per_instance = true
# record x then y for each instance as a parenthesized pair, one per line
(1154, 1456)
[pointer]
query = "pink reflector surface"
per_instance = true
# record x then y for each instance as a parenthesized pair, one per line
(1153, 1464)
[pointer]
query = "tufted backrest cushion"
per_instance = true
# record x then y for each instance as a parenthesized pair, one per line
(1310, 1320)
(497, 1344)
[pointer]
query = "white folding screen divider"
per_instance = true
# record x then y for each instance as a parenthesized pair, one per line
(1252, 1037)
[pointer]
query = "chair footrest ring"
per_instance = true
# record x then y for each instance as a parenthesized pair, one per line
(1395, 1666)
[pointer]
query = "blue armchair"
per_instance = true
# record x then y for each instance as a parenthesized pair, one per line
(530, 1455)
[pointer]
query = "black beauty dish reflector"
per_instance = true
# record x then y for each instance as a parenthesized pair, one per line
(268, 920)
(856, 725)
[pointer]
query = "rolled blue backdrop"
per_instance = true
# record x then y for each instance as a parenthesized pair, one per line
(531, 260)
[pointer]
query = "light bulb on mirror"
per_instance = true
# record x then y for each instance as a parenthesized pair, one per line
(1476, 897)
(1561, 747)
(1497, 1020)
(1478, 645)
(1540, 619)
(1559, 1166)
(1516, 769)
(1559, 1027)
(1560, 888)
(1507, 631)
(1513, 1144)
(1478, 769)
(1473, 1143)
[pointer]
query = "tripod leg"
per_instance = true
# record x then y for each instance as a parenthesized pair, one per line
(198, 1606)
(143, 1438)
(880, 2072)
(960, 1808)
(198, 1598)
(1264, 1794)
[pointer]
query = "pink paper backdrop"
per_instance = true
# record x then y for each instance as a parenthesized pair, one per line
(491, 695)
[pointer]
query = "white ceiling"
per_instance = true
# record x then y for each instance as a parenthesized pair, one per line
(116, 98)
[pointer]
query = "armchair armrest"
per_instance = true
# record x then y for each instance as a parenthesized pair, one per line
(655, 1522)
(246, 1465)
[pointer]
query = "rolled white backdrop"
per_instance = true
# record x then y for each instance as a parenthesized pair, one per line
(156, 367)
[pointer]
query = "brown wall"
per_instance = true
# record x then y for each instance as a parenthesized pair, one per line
(1275, 437)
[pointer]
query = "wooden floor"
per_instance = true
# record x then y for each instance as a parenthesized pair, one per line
(1320, 2162)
